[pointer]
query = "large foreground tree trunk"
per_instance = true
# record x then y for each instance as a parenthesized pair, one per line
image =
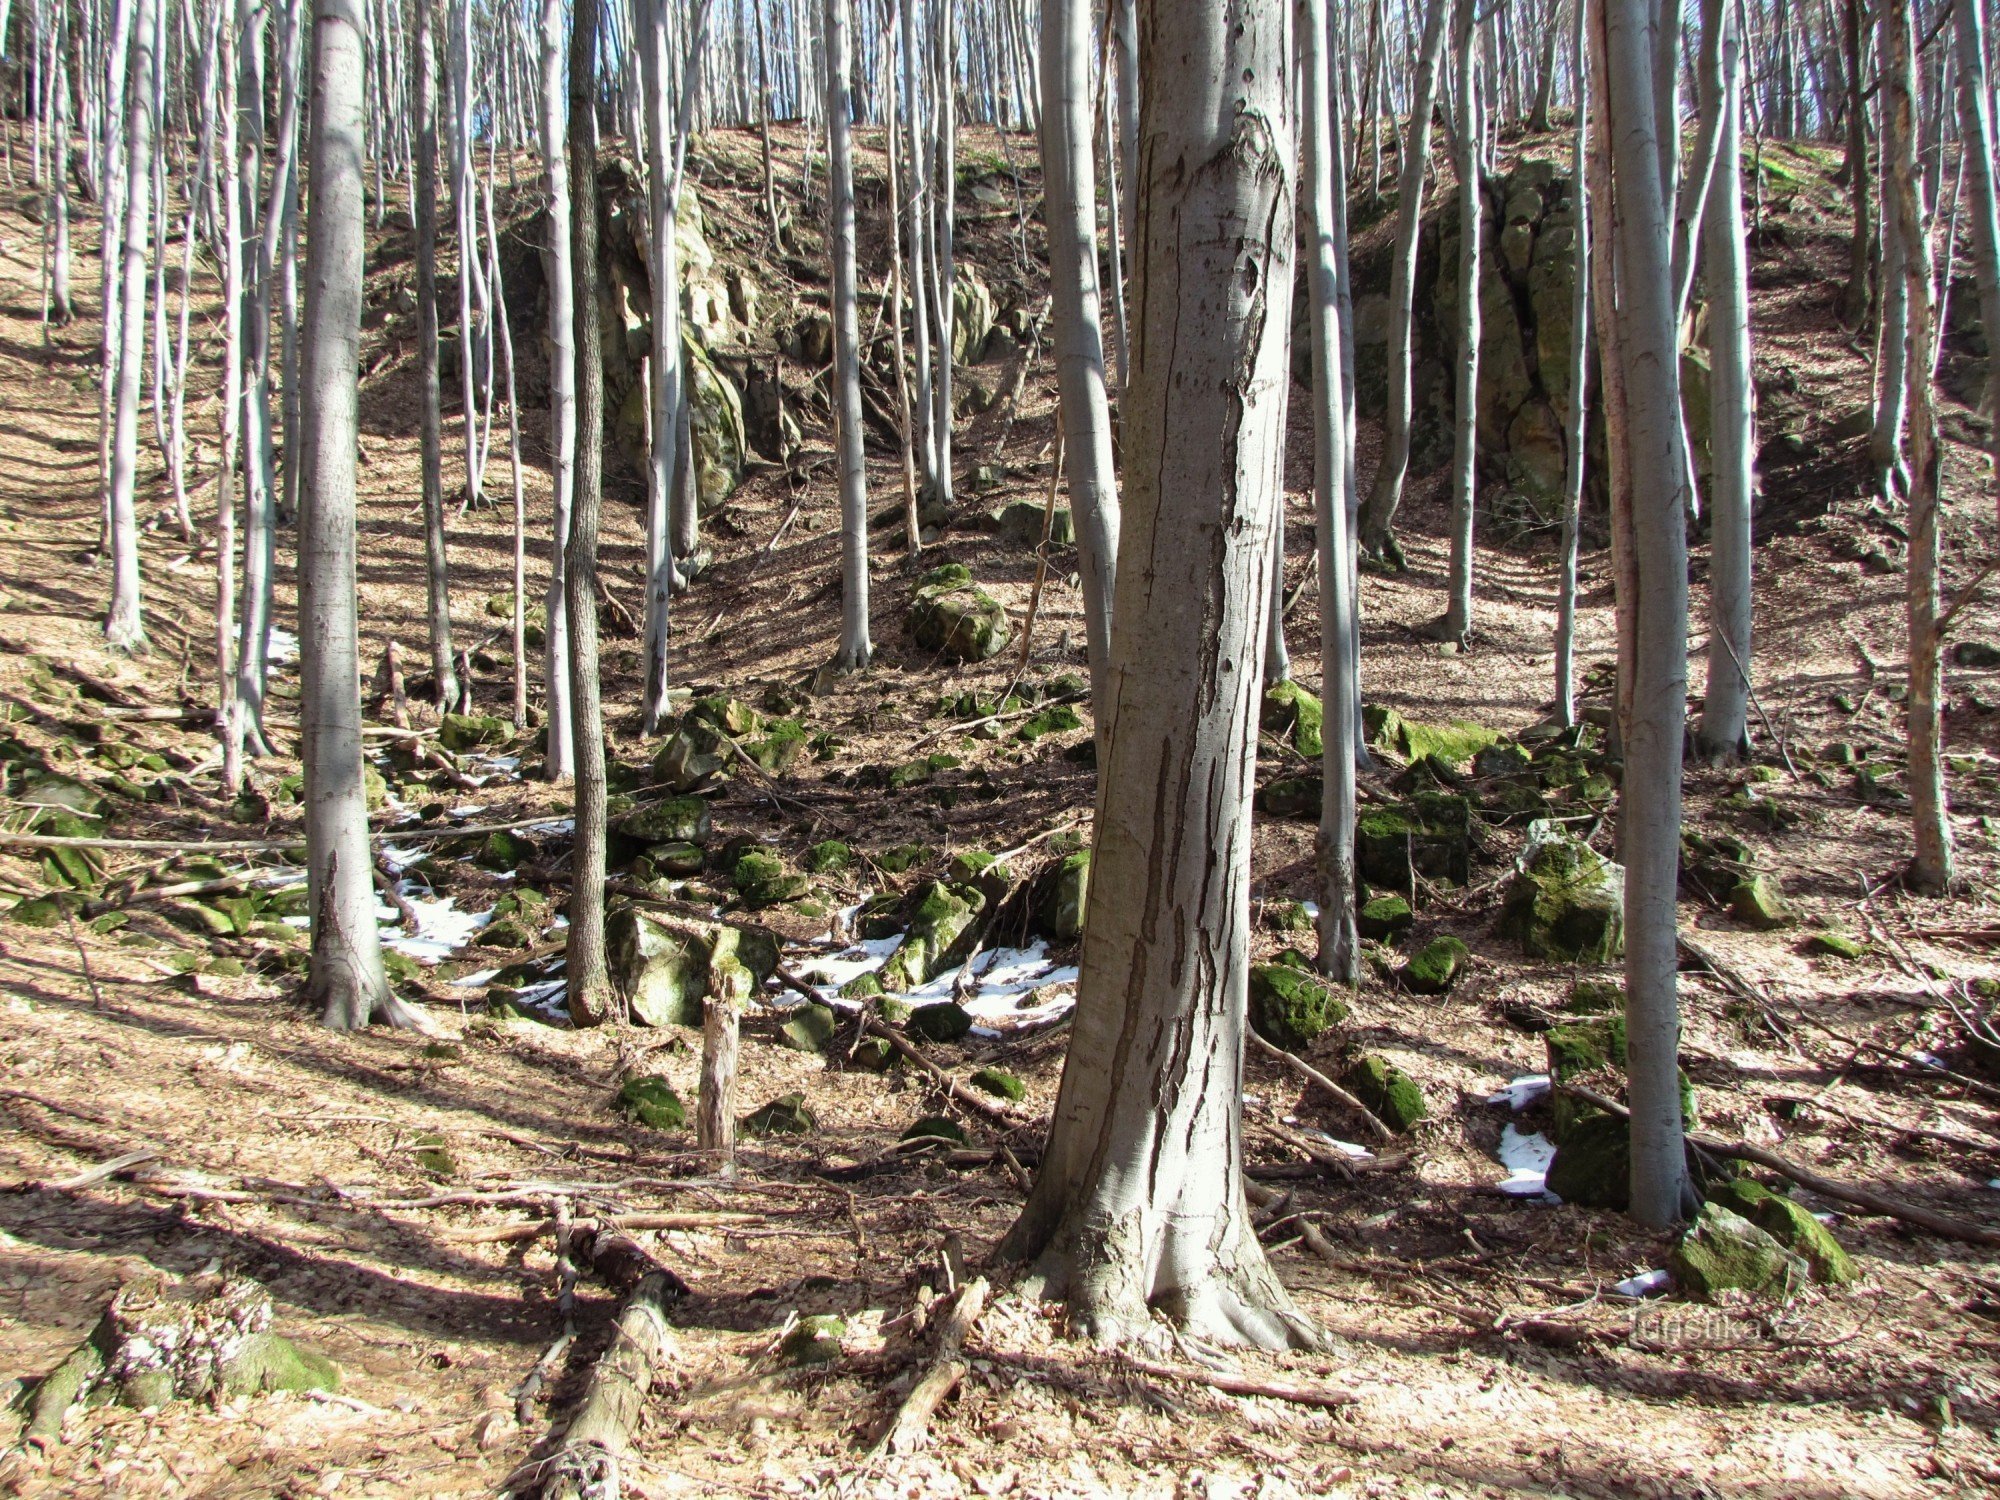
(1636, 323)
(347, 978)
(1070, 199)
(1140, 1200)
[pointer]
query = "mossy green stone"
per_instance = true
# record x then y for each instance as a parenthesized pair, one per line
(946, 1021)
(1595, 997)
(810, 1028)
(1290, 1007)
(652, 1101)
(1387, 1090)
(1001, 1083)
(1791, 1225)
(874, 1054)
(1724, 1252)
(459, 733)
(940, 918)
(829, 858)
(1435, 967)
(779, 746)
(1837, 945)
(785, 1116)
(937, 1128)
(860, 986)
(1289, 709)
(1291, 958)
(1455, 743)
(762, 880)
(38, 911)
(1430, 834)
(270, 1362)
(1757, 902)
(1287, 916)
(682, 859)
(952, 616)
(1058, 718)
(1592, 1167)
(1291, 797)
(1565, 901)
(507, 932)
(814, 1340)
(671, 820)
(1385, 918)
(1066, 894)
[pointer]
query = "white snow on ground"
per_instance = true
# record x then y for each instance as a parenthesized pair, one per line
(1526, 1156)
(1644, 1284)
(442, 929)
(829, 973)
(1522, 1092)
(399, 860)
(1345, 1148)
(283, 648)
(1001, 980)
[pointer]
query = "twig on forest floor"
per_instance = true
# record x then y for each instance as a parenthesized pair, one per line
(82, 958)
(264, 846)
(996, 1113)
(1758, 704)
(966, 726)
(534, 1229)
(1827, 1187)
(1313, 1075)
(909, 1429)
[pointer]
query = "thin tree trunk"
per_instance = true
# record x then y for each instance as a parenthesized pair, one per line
(560, 761)
(124, 627)
(1139, 1202)
(1456, 626)
(1975, 129)
(1725, 724)
(586, 970)
(1069, 194)
(437, 576)
(346, 977)
(1638, 324)
(1379, 514)
(1339, 940)
(1575, 428)
(1931, 865)
(856, 646)
(1861, 242)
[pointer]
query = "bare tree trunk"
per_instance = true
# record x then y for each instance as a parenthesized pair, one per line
(1931, 864)
(347, 979)
(1339, 940)
(715, 1107)
(1070, 206)
(1892, 392)
(1140, 1202)
(230, 252)
(558, 276)
(124, 627)
(587, 971)
(1975, 130)
(1379, 514)
(917, 203)
(1861, 243)
(1575, 428)
(856, 646)
(1456, 626)
(1639, 328)
(1725, 723)
(437, 576)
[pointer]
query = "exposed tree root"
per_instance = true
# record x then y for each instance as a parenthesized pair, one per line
(909, 1429)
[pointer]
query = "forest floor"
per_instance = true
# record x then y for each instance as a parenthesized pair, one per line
(368, 1180)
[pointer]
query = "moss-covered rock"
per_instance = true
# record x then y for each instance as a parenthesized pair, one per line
(861, 987)
(1291, 1006)
(940, 918)
(1592, 1167)
(1436, 967)
(1387, 1090)
(1757, 902)
(460, 733)
(665, 968)
(874, 1054)
(944, 1021)
(814, 1340)
(677, 859)
(786, 1116)
(1724, 1252)
(1430, 835)
(1288, 709)
(1565, 901)
(1065, 893)
(810, 1027)
(671, 820)
(1287, 916)
(829, 857)
(1790, 1224)
(1455, 743)
(651, 1101)
(762, 880)
(1000, 1083)
(502, 851)
(781, 744)
(953, 616)
(1832, 944)
(1595, 997)
(1291, 797)
(938, 1128)
(1385, 918)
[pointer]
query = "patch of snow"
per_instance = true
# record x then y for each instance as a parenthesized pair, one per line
(442, 929)
(1928, 1059)
(474, 981)
(553, 825)
(1526, 1155)
(283, 648)
(399, 860)
(1310, 908)
(1001, 983)
(829, 973)
(1644, 1284)
(1522, 1092)
(1345, 1148)
(464, 810)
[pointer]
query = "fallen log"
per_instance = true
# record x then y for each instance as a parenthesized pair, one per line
(909, 1429)
(585, 1465)
(1827, 1187)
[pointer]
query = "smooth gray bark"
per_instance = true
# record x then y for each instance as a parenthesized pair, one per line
(346, 976)
(1456, 626)
(1650, 485)
(430, 416)
(1070, 207)
(124, 627)
(1724, 733)
(856, 646)
(1386, 494)
(560, 762)
(1574, 420)
(1139, 1203)
(1339, 939)
(1975, 133)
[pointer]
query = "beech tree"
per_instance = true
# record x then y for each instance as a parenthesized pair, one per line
(560, 760)
(1139, 1201)
(430, 420)
(347, 978)
(855, 646)
(1456, 626)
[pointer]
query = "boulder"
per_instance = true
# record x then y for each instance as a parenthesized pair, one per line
(1592, 1167)
(665, 968)
(784, 1116)
(1288, 709)
(1791, 1225)
(1385, 918)
(810, 1027)
(1387, 1090)
(953, 616)
(937, 1128)
(1000, 1083)
(1291, 797)
(971, 316)
(1065, 890)
(652, 1101)
(1020, 524)
(942, 919)
(715, 423)
(460, 733)
(814, 1340)
(1758, 902)
(672, 820)
(1565, 901)
(1291, 1007)
(761, 880)
(1428, 835)
(1436, 967)
(1724, 1252)
(945, 1021)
